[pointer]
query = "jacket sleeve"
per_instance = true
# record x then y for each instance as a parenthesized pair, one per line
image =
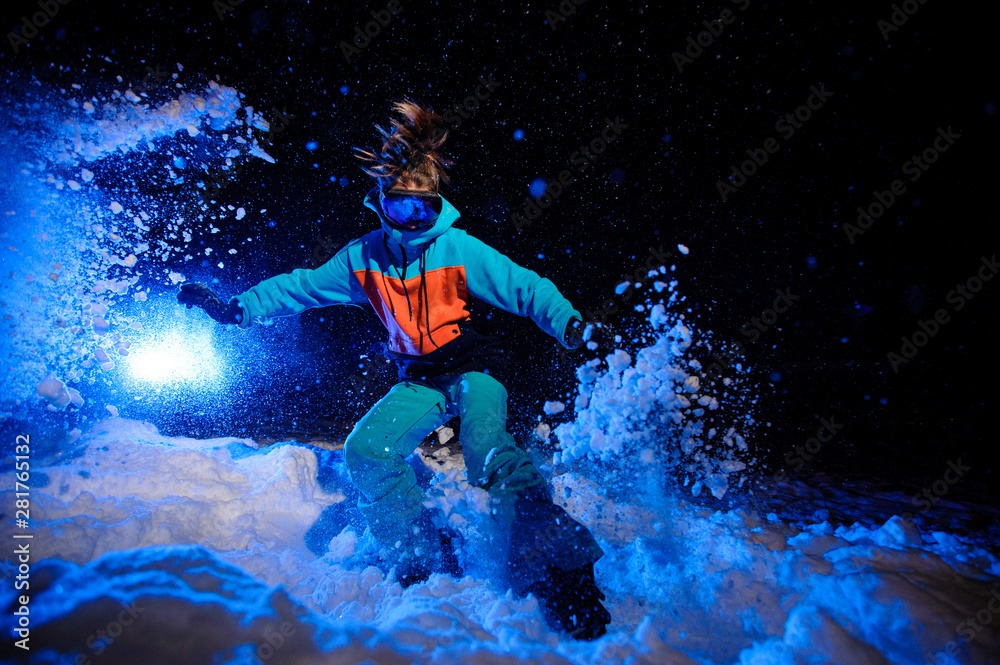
(499, 281)
(299, 290)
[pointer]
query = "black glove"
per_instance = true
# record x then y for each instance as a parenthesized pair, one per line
(204, 297)
(574, 333)
(599, 334)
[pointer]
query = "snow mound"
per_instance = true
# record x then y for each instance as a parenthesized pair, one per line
(190, 491)
(153, 548)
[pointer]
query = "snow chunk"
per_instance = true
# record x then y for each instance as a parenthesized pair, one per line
(53, 391)
(898, 532)
(552, 408)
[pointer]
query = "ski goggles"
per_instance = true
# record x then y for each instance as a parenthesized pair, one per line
(409, 209)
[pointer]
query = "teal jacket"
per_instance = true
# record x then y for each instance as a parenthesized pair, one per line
(418, 282)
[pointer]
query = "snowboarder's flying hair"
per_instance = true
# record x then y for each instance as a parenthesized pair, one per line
(410, 153)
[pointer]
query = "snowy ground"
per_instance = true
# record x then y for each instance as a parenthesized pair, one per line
(156, 549)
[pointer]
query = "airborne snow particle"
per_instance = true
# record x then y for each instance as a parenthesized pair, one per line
(53, 391)
(537, 187)
(552, 408)
(683, 249)
(116, 207)
(240, 213)
(518, 134)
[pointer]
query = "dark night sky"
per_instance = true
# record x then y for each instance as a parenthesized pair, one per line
(887, 100)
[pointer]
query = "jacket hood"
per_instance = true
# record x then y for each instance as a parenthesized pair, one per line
(413, 239)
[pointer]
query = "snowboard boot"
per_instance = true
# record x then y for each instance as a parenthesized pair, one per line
(571, 602)
(552, 556)
(544, 535)
(442, 557)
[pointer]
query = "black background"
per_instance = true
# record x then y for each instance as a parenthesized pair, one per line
(782, 230)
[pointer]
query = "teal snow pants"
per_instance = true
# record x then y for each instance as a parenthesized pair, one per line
(376, 451)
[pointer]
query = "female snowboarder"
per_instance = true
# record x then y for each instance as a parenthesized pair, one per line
(418, 273)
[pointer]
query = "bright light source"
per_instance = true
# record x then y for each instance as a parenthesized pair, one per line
(174, 359)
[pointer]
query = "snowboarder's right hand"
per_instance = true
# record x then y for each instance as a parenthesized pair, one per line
(202, 296)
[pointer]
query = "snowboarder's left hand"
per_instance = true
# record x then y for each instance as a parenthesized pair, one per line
(574, 333)
(579, 332)
(202, 296)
